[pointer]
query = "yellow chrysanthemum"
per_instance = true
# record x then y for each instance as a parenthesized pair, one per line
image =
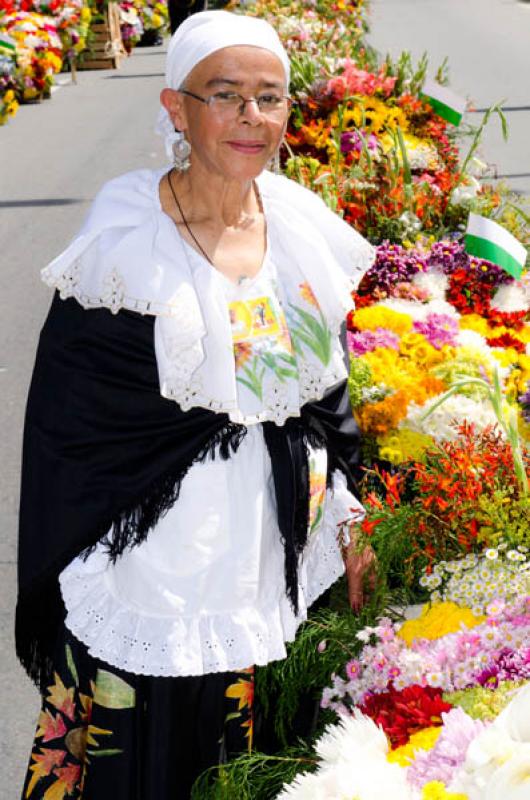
(421, 740)
(420, 152)
(435, 790)
(438, 620)
(416, 347)
(403, 445)
(374, 317)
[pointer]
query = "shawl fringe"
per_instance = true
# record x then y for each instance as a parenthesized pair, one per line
(40, 610)
(133, 525)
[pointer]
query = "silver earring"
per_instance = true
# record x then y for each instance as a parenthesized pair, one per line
(181, 153)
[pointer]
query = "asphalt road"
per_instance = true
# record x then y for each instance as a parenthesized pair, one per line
(488, 46)
(55, 156)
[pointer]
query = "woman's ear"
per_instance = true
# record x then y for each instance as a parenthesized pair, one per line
(173, 103)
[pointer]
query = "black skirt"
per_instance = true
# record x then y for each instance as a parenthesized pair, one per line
(106, 734)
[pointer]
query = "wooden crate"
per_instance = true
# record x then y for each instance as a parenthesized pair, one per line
(106, 49)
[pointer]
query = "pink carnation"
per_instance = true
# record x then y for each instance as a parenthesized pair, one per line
(366, 341)
(438, 329)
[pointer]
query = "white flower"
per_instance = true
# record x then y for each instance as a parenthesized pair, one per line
(491, 554)
(343, 741)
(354, 766)
(467, 190)
(515, 718)
(510, 297)
(435, 282)
(512, 555)
(364, 635)
(497, 764)
(511, 781)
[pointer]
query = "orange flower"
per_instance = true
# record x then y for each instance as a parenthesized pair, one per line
(45, 761)
(307, 293)
(50, 727)
(62, 698)
(376, 419)
(242, 353)
(242, 691)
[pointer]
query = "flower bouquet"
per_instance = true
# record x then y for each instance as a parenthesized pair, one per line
(71, 19)
(482, 753)
(154, 17)
(39, 53)
(428, 317)
(8, 66)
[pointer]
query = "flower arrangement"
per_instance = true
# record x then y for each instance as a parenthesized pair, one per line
(461, 759)
(152, 13)
(8, 105)
(421, 659)
(429, 316)
(39, 52)
(309, 27)
(70, 17)
(8, 102)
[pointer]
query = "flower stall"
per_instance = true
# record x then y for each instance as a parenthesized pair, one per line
(40, 38)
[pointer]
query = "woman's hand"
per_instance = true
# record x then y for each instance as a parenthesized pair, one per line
(360, 572)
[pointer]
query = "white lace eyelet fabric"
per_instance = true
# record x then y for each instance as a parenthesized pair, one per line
(203, 594)
(129, 254)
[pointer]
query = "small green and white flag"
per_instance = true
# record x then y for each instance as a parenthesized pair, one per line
(444, 102)
(7, 43)
(489, 240)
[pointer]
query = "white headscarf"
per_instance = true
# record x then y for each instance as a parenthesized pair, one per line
(203, 34)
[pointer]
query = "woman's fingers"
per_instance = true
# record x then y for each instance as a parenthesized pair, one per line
(359, 570)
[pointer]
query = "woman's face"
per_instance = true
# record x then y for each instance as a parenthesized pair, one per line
(235, 145)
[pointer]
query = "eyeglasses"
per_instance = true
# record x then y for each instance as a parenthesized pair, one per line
(231, 103)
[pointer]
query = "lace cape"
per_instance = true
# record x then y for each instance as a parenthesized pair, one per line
(128, 254)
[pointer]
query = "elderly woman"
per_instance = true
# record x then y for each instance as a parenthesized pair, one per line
(189, 444)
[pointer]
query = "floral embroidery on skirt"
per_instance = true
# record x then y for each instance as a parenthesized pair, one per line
(104, 733)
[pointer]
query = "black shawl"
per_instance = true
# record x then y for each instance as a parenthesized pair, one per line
(104, 456)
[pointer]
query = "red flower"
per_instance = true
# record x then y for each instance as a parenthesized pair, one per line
(402, 713)
(507, 340)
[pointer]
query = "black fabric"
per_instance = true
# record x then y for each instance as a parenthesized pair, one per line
(104, 451)
(179, 10)
(107, 734)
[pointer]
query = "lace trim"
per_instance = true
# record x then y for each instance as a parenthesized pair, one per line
(160, 646)
(276, 406)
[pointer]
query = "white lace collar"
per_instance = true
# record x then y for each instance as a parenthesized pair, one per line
(129, 254)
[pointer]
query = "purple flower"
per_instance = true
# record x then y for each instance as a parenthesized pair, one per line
(438, 329)
(509, 665)
(366, 341)
(352, 142)
(449, 752)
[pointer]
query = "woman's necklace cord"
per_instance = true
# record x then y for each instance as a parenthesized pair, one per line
(185, 221)
(242, 277)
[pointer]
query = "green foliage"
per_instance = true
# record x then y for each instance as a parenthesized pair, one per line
(253, 777)
(307, 668)
(409, 77)
(398, 565)
(304, 72)
(483, 703)
(504, 518)
(360, 377)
